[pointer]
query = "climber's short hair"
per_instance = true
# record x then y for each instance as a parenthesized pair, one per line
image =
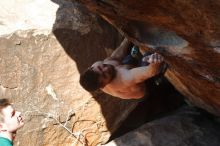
(89, 80)
(3, 104)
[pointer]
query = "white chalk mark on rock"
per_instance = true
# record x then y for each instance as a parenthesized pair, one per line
(51, 92)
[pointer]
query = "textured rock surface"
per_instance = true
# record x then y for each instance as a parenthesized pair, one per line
(186, 33)
(39, 68)
(26, 14)
(186, 127)
(41, 77)
(42, 80)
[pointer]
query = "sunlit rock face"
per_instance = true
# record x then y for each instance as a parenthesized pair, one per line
(26, 14)
(186, 33)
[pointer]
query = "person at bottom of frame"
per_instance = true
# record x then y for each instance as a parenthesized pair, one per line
(10, 121)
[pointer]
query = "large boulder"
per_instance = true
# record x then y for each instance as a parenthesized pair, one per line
(186, 127)
(186, 33)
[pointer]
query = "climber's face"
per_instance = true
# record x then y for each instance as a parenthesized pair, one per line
(107, 72)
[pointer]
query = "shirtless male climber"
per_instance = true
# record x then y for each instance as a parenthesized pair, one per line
(118, 79)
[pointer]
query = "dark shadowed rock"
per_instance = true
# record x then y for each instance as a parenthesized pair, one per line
(185, 127)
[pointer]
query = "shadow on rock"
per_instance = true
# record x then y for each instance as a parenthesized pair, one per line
(87, 38)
